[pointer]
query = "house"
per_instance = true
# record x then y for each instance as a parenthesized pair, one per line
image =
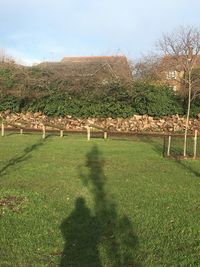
(172, 70)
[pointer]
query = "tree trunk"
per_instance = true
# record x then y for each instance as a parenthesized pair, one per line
(188, 114)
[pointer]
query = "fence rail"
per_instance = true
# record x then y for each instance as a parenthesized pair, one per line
(172, 142)
(110, 133)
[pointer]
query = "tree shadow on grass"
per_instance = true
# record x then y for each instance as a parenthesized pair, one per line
(183, 163)
(175, 153)
(26, 155)
(157, 145)
(98, 237)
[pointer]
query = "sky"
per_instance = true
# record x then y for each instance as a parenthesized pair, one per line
(47, 30)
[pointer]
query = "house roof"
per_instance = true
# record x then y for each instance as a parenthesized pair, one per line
(99, 67)
(169, 62)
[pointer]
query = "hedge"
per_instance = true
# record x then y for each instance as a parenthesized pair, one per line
(113, 101)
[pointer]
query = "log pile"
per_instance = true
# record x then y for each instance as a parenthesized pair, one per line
(137, 123)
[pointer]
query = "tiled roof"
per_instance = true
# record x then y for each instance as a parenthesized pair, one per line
(112, 67)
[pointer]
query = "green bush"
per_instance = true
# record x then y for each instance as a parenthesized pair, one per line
(10, 102)
(116, 101)
(7, 76)
(156, 100)
(195, 108)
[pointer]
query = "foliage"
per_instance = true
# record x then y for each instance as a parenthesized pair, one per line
(195, 108)
(113, 101)
(156, 100)
(6, 74)
(37, 89)
(38, 72)
(10, 102)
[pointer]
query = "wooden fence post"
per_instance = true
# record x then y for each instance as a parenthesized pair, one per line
(88, 133)
(43, 132)
(105, 135)
(195, 144)
(61, 133)
(164, 146)
(2, 129)
(21, 131)
(169, 146)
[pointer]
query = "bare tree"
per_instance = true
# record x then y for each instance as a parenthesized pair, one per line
(147, 68)
(2, 55)
(183, 49)
(4, 58)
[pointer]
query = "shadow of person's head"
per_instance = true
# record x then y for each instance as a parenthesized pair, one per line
(80, 204)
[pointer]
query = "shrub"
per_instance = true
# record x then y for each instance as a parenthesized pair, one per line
(7, 76)
(156, 100)
(9, 102)
(113, 101)
(195, 108)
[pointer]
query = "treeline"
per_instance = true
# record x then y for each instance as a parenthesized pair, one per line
(35, 89)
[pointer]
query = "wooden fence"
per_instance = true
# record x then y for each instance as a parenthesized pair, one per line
(93, 129)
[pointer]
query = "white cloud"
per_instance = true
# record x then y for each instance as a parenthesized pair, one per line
(21, 57)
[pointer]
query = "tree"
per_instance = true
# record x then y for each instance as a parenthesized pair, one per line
(182, 47)
(147, 69)
(4, 58)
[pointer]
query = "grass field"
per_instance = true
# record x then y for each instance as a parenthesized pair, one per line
(69, 202)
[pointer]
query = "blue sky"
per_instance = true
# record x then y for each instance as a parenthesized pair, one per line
(37, 30)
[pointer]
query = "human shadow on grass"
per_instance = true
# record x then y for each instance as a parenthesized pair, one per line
(97, 237)
(26, 155)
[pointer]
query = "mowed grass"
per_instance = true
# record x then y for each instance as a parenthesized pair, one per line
(69, 202)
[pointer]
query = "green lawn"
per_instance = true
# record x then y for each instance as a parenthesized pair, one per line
(69, 202)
